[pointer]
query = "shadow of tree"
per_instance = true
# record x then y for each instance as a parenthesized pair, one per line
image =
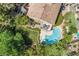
(27, 41)
(22, 45)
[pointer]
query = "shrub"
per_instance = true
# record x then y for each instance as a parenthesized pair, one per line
(67, 38)
(72, 29)
(21, 20)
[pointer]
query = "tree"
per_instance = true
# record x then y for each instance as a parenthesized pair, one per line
(72, 30)
(67, 38)
(18, 42)
(11, 44)
(5, 10)
(53, 50)
(5, 38)
(71, 22)
(21, 20)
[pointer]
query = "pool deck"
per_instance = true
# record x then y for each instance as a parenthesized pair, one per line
(62, 27)
(44, 33)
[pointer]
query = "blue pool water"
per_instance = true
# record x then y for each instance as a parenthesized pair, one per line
(54, 37)
(78, 34)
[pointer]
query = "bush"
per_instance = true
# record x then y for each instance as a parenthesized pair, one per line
(72, 29)
(5, 10)
(67, 38)
(21, 20)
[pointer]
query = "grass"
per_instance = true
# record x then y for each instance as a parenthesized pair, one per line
(59, 20)
(71, 22)
(70, 17)
(34, 34)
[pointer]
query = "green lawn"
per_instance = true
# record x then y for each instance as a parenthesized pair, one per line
(59, 20)
(70, 17)
(71, 22)
(34, 34)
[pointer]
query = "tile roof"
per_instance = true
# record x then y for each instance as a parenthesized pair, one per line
(45, 11)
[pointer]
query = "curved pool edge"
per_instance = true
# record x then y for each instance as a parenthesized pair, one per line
(51, 39)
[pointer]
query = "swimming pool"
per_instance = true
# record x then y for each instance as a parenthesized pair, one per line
(78, 35)
(54, 37)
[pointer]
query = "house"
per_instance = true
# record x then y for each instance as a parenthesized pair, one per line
(45, 13)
